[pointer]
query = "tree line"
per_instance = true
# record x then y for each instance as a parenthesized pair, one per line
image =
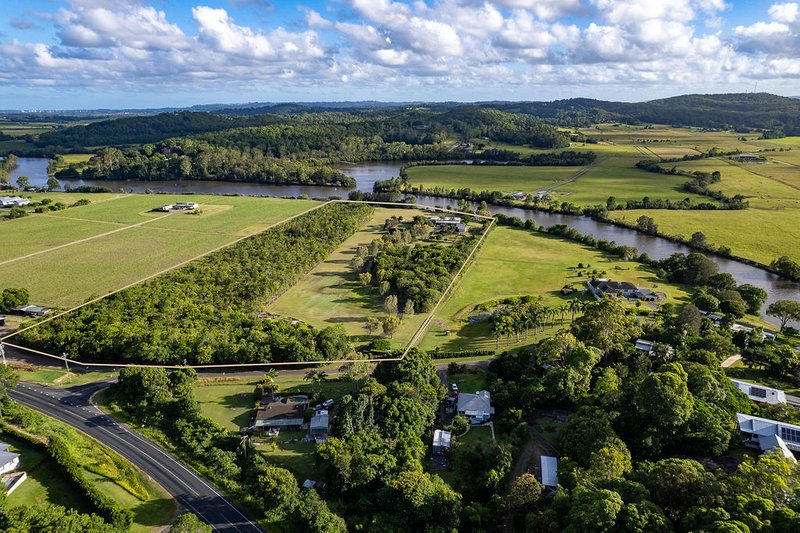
(207, 311)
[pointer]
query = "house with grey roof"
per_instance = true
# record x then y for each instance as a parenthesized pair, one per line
(764, 435)
(476, 407)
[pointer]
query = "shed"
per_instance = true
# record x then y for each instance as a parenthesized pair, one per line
(549, 471)
(441, 441)
(319, 423)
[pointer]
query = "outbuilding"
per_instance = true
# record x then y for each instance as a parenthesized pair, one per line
(441, 441)
(549, 471)
(760, 393)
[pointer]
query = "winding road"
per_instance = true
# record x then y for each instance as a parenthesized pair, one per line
(194, 494)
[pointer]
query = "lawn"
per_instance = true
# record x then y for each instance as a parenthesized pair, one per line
(516, 262)
(57, 376)
(739, 370)
(469, 381)
(491, 178)
(331, 293)
(476, 434)
(58, 277)
(297, 457)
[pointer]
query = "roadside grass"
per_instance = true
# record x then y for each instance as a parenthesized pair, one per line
(489, 178)
(60, 277)
(516, 262)
(58, 377)
(151, 505)
(45, 483)
(331, 293)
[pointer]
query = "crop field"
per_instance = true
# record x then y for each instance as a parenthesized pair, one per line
(491, 178)
(515, 262)
(331, 293)
(66, 257)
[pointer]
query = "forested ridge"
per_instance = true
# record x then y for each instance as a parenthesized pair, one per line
(207, 311)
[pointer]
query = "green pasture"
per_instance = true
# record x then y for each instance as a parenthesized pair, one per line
(516, 262)
(489, 178)
(331, 293)
(98, 263)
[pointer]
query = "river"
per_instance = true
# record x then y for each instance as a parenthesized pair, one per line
(366, 174)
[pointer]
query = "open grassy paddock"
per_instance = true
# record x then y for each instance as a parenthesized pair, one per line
(66, 257)
(516, 262)
(489, 178)
(331, 293)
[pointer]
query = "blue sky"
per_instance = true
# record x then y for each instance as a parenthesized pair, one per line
(77, 54)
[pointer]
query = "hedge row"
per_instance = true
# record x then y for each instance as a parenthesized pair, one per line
(465, 353)
(105, 506)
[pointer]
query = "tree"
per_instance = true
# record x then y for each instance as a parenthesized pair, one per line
(698, 240)
(786, 267)
(753, 296)
(608, 326)
(333, 342)
(317, 378)
(52, 184)
(189, 523)
(23, 182)
(277, 491)
(524, 493)
(646, 224)
(13, 297)
(270, 380)
(390, 325)
(365, 278)
(357, 263)
(408, 308)
(390, 304)
(689, 319)
(8, 381)
(664, 405)
(784, 310)
(593, 511)
(372, 325)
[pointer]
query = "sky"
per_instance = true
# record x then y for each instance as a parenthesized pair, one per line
(89, 54)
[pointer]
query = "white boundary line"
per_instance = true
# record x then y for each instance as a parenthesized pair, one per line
(417, 336)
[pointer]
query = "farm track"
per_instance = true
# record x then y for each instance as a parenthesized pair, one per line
(576, 175)
(777, 180)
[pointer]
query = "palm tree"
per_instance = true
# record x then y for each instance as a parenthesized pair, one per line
(572, 307)
(270, 378)
(316, 377)
(563, 311)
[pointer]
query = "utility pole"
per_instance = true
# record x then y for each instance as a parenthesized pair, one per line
(66, 364)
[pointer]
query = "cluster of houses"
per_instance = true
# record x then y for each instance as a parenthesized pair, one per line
(448, 224)
(716, 319)
(13, 201)
(289, 413)
(10, 473)
(178, 206)
(621, 290)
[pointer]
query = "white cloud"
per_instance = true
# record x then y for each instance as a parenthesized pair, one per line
(789, 12)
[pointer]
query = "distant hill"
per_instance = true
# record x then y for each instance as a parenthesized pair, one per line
(742, 112)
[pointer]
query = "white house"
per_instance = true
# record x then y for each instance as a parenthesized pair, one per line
(9, 461)
(760, 393)
(476, 407)
(549, 471)
(764, 434)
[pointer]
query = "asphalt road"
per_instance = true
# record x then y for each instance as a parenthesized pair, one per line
(73, 406)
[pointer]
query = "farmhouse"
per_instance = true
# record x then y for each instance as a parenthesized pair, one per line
(165, 208)
(441, 441)
(647, 347)
(186, 206)
(31, 310)
(748, 158)
(518, 195)
(764, 434)
(600, 288)
(549, 467)
(766, 335)
(476, 407)
(13, 201)
(284, 413)
(760, 393)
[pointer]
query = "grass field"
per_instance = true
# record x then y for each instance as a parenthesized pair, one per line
(515, 262)
(331, 293)
(489, 178)
(75, 258)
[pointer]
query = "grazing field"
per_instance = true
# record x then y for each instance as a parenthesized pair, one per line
(331, 293)
(489, 178)
(515, 262)
(66, 257)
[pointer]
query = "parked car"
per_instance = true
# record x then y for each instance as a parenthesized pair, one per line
(327, 404)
